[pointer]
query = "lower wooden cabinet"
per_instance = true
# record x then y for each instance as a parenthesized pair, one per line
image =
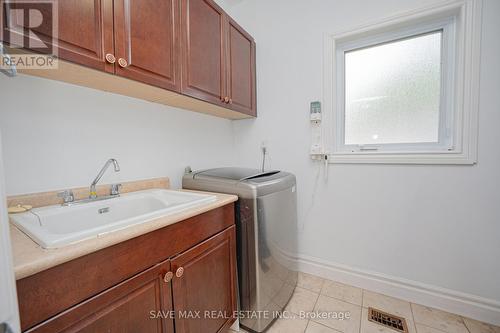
(190, 291)
(204, 285)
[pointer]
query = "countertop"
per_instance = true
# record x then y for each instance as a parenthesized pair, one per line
(30, 258)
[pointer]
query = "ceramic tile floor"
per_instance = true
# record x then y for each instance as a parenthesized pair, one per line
(317, 294)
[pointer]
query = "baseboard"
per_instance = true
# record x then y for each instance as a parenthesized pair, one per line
(475, 307)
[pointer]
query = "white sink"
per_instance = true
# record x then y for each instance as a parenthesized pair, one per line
(57, 226)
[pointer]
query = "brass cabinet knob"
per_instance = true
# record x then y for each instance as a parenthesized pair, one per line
(168, 277)
(122, 62)
(179, 272)
(226, 99)
(110, 58)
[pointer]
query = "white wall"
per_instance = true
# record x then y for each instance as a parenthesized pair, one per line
(56, 135)
(434, 225)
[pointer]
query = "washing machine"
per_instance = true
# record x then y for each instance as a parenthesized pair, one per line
(266, 230)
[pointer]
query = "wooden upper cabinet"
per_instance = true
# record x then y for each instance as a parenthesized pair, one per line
(218, 57)
(188, 46)
(241, 69)
(207, 283)
(139, 304)
(84, 30)
(203, 50)
(146, 41)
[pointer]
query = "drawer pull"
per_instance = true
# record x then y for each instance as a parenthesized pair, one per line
(168, 277)
(122, 62)
(110, 58)
(179, 272)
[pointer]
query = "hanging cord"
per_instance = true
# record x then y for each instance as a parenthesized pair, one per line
(327, 162)
(313, 198)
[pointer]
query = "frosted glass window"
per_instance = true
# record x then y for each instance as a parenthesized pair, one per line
(392, 92)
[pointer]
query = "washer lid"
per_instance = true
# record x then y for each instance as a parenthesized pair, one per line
(232, 173)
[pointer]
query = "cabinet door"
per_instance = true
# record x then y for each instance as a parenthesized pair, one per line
(146, 41)
(241, 69)
(140, 304)
(203, 45)
(84, 29)
(205, 280)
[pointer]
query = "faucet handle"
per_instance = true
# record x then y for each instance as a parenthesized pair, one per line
(115, 189)
(67, 196)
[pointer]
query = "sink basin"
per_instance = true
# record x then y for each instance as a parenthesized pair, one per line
(57, 226)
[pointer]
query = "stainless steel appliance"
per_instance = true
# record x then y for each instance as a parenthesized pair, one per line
(266, 227)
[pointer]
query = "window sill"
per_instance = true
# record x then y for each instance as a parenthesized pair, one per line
(392, 158)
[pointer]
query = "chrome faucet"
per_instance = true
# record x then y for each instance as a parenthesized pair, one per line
(93, 193)
(69, 198)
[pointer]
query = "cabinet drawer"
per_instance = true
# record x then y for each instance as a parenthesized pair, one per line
(126, 307)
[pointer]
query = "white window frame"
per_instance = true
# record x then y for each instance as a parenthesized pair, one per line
(445, 140)
(460, 23)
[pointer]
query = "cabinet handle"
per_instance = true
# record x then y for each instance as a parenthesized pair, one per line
(110, 58)
(179, 272)
(168, 277)
(122, 62)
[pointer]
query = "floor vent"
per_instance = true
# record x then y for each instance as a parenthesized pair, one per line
(388, 320)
